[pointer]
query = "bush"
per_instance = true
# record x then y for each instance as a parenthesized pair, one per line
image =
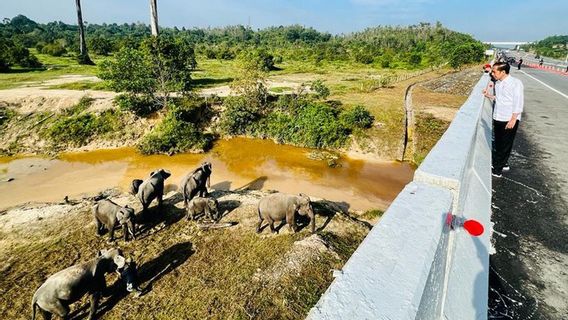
(317, 126)
(101, 45)
(314, 125)
(54, 49)
(357, 117)
(238, 116)
(141, 105)
(321, 90)
(5, 115)
(12, 54)
(79, 129)
(174, 134)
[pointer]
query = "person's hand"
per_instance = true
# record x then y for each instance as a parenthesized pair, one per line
(511, 124)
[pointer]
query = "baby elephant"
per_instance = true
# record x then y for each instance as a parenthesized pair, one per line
(199, 205)
(69, 285)
(109, 215)
(280, 206)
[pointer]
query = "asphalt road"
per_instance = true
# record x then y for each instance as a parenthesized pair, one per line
(529, 271)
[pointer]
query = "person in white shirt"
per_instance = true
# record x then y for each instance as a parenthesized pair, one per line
(509, 102)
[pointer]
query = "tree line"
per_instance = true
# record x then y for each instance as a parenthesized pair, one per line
(553, 46)
(402, 47)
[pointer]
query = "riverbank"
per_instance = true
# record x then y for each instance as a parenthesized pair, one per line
(224, 273)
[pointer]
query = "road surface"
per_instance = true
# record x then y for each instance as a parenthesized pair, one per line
(529, 271)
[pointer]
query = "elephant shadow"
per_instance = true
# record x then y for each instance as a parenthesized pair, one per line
(227, 206)
(223, 186)
(327, 209)
(167, 215)
(149, 273)
(330, 209)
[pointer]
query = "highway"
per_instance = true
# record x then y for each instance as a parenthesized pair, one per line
(529, 271)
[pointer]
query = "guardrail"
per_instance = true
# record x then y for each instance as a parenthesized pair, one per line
(413, 265)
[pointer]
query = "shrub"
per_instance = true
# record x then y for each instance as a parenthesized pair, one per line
(356, 117)
(238, 115)
(141, 105)
(317, 126)
(5, 115)
(79, 129)
(54, 49)
(174, 134)
(321, 90)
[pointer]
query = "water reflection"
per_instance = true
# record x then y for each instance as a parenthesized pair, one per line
(237, 164)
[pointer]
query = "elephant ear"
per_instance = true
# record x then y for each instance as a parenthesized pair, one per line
(212, 204)
(120, 261)
(122, 215)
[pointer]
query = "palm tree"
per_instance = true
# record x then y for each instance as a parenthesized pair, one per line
(154, 17)
(83, 55)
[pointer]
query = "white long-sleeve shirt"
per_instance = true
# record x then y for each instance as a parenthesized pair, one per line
(509, 99)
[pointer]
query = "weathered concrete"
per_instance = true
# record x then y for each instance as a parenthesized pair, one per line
(411, 266)
(386, 276)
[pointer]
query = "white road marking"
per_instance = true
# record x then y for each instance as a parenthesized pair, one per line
(544, 84)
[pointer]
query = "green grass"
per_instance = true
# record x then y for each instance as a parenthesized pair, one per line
(54, 67)
(428, 131)
(82, 85)
(216, 274)
(280, 89)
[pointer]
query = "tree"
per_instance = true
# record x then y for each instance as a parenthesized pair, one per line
(162, 66)
(83, 54)
(154, 17)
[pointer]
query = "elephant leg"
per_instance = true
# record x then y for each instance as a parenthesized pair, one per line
(125, 231)
(271, 224)
(259, 225)
(99, 227)
(94, 303)
(111, 232)
(45, 314)
(291, 223)
(60, 309)
(160, 200)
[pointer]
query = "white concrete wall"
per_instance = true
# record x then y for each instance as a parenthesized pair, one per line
(411, 265)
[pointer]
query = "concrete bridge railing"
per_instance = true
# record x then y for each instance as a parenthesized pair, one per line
(412, 265)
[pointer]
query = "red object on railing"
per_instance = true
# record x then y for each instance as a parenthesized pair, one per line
(473, 227)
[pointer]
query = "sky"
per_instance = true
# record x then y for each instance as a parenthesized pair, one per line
(497, 20)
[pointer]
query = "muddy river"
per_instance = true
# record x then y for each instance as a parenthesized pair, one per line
(237, 164)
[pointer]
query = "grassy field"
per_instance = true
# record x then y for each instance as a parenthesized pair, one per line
(55, 67)
(189, 273)
(350, 84)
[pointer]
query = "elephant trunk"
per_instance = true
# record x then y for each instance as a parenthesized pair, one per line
(132, 228)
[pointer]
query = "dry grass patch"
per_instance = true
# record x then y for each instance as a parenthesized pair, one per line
(230, 273)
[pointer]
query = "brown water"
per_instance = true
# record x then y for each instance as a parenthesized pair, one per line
(237, 163)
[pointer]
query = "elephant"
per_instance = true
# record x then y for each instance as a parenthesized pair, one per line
(69, 285)
(199, 205)
(135, 186)
(152, 188)
(280, 206)
(109, 214)
(196, 183)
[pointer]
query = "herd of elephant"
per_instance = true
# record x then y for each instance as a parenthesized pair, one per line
(67, 286)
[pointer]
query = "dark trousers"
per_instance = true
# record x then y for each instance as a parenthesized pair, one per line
(503, 143)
